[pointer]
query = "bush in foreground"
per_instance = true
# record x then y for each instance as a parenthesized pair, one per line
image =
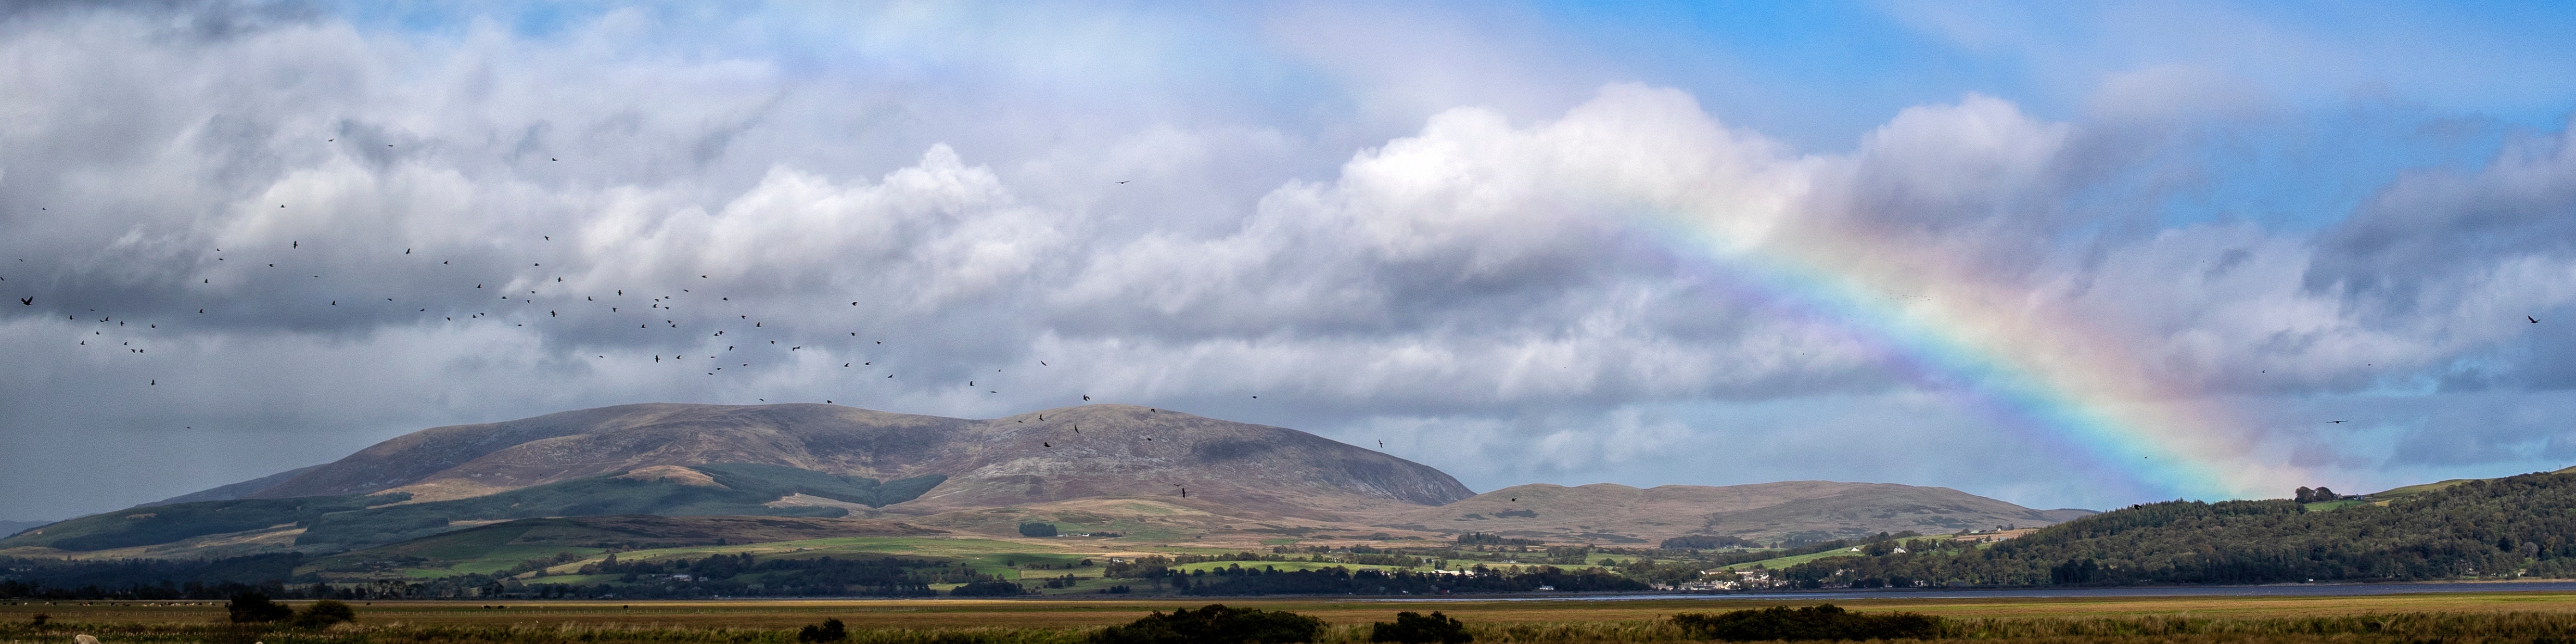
(831, 631)
(1824, 622)
(323, 614)
(1412, 628)
(1214, 624)
(248, 608)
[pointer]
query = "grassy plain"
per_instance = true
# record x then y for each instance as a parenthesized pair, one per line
(2461, 617)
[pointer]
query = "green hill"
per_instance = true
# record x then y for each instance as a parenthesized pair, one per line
(2478, 529)
(2421, 488)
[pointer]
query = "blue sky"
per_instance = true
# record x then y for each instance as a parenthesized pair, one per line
(1386, 219)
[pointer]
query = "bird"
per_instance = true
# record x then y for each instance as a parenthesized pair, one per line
(1381, 444)
(1125, 182)
(1086, 397)
(1042, 363)
(155, 383)
(1045, 444)
(2335, 422)
(1516, 499)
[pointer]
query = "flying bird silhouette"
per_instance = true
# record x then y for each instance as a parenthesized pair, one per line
(2334, 422)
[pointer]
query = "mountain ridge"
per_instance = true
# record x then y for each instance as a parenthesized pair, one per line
(1157, 473)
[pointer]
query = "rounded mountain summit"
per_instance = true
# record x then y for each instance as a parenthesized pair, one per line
(1053, 455)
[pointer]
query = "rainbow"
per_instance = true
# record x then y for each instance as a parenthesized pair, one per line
(2029, 367)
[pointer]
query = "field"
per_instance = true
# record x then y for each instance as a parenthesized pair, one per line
(2455, 618)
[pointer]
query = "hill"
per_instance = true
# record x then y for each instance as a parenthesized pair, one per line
(1143, 474)
(1766, 512)
(1087, 451)
(2420, 488)
(2479, 529)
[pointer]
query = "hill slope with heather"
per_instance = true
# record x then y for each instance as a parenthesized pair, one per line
(1764, 512)
(1087, 451)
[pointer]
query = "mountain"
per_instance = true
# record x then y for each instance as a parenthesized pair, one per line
(1153, 475)
(1057, 454)
(1805, 510)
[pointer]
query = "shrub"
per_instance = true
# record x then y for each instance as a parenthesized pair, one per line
(325, 613)
(1037, 529)
(255, 607)
(830, 631)
(1214, 624)
(1412, 628)
(1825, 622)
(987, 589)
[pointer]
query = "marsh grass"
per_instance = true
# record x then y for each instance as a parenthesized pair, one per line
(2395, 628)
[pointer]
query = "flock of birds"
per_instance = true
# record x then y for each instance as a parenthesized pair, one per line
(745, 341)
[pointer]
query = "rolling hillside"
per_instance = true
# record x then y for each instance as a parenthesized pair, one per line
(1088, 451)
(1810, 510)
(1145, 475)
(2512, 527)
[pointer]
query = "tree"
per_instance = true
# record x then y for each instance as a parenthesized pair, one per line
(1037, 529)
(2305, 495)
(831, 631)
(253, 607)
(1412, 628)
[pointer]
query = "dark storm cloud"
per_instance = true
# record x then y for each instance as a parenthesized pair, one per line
(2433, 230)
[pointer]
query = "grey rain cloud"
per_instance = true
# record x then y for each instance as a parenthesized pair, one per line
(261, 239)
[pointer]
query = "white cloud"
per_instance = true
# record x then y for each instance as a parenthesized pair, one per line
(1511, 288)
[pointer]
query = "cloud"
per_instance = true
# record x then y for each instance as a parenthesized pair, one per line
(388, 229)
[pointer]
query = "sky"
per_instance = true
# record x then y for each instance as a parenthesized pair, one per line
(2060, 254)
